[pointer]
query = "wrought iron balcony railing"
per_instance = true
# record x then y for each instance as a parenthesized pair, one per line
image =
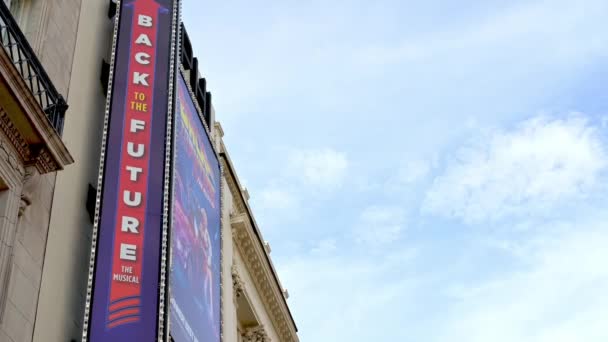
(29, 67)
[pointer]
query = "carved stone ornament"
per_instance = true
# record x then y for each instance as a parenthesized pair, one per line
(9, 159)
(25, 202)
(255, 334)
(255, 260)
(31, 181)
(13, 135)
(45, 162)
(237, 283)
(31, 155)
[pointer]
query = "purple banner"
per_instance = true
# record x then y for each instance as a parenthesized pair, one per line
(125, 289)
(195, 230)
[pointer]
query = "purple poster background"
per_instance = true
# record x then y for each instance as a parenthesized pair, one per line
(195, 230)
(145, 327)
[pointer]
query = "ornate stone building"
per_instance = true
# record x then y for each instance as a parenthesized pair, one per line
(259, 312)
(49, 156)
(38, 40)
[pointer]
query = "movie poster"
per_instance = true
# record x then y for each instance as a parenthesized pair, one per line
(195, 229)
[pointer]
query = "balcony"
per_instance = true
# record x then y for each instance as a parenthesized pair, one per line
(32, 111)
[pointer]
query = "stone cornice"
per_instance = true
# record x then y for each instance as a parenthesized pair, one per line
(248, 241)
(233, 184)
(11, 159)
(34, 137)
(40, 157)
(254, 259)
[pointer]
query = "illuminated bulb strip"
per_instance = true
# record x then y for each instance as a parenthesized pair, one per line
(102, 159)
(175, 53)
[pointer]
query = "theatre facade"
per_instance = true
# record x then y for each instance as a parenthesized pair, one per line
(122, 217)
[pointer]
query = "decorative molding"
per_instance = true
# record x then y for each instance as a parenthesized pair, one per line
(255, 334)
(238, 285)
(45, 163)
(237, 201)
(271, 294)
(257, 261)
(14, 136)
(8, 156)
(30, 155)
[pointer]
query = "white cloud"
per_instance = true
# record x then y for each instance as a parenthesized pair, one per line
(276, 198)
(555, 294)
(542, 163)
(320, 168)
(550, 26)
(414, 171)
(380, 225)
(325, 247)
(409, 174)
(558, 297)
(346, 298)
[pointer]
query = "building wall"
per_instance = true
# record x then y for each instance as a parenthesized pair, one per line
(19, 271)
(28, 259)
(61, 307)
(229, 315)
(50, 27)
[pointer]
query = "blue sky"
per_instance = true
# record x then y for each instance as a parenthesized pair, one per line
(424, 171)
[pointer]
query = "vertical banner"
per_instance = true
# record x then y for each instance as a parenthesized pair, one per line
(195, 227)
(125, 284)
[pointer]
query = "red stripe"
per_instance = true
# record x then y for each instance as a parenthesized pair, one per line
(123, 321)
(129, 312)
(123, 304)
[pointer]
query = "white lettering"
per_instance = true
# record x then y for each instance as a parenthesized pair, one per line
(144, 20)
(137, 125)
(127, 252)
(129, 225)
(143, 39)
(134, 172)
(125, 278)
(135, 202)
(142, 58)
(139, 78)
(135, 154)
